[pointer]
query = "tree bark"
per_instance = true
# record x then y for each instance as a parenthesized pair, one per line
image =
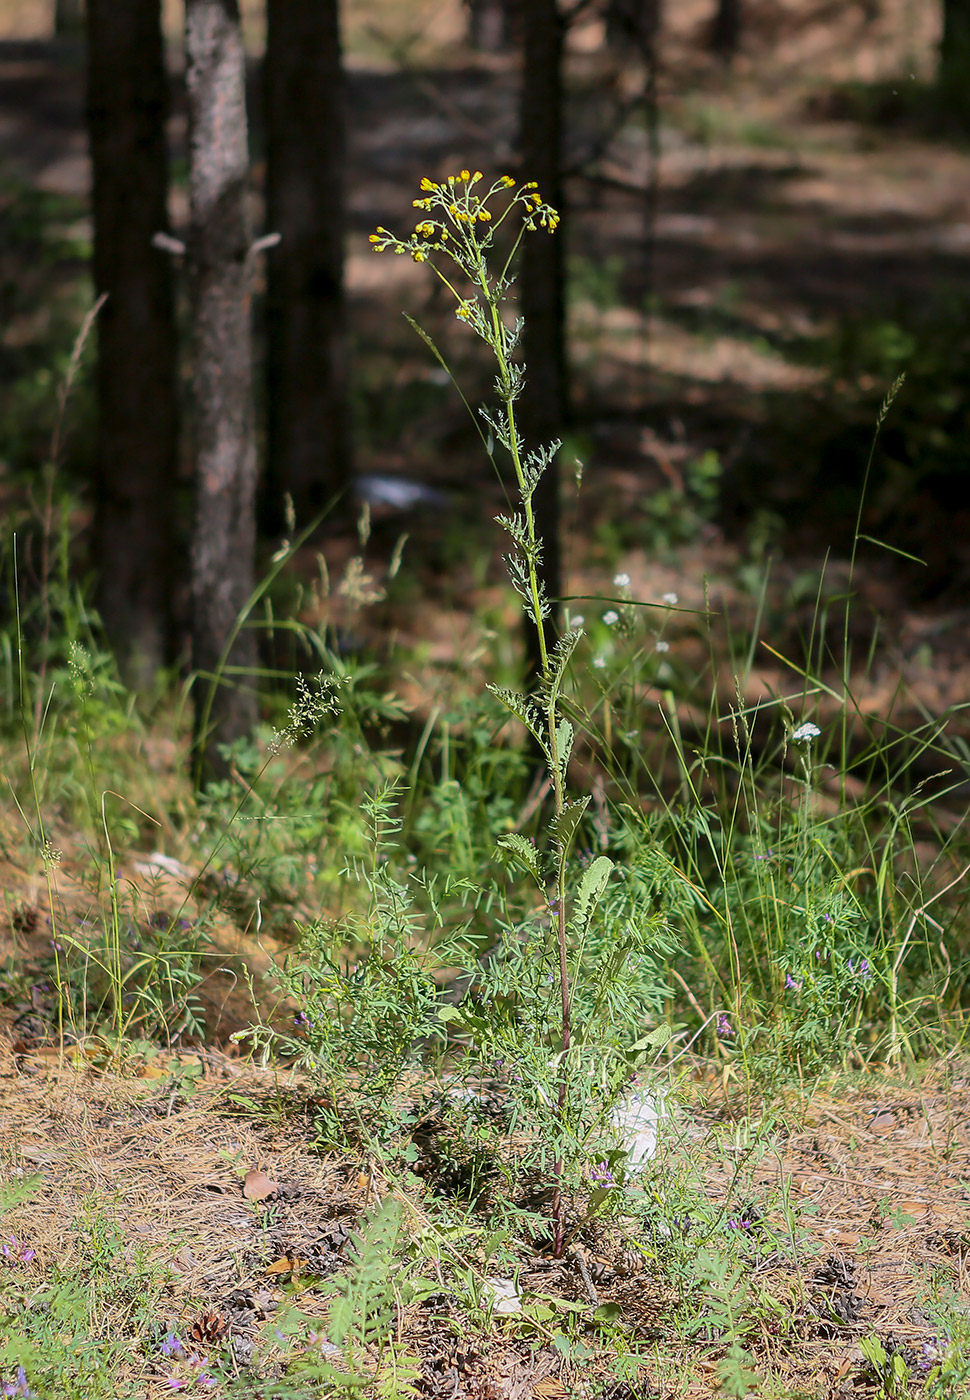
(309, 439)
(543, 409)
(954, 79)
(223, 543)
(69, 17)
(633, 22)
(726, 29)
(134, 487)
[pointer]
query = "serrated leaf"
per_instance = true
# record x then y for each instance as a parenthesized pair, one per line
(564, 826)
(14, 1193)
(559, 660)
(565, 734)
(519, 706)
(591, 886)
(522, 848)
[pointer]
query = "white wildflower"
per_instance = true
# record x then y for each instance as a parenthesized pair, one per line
(805, 733)
(621, 580)
(610, 617)
(670, 599)
(662, 645)
(599, 662)
(577, 621)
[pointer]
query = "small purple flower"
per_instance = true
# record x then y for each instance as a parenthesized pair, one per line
(19, 1386)
(13, 1252)
(738, 1224)
(791, 984)
(172, 1346)
(724, 1027)
(930, 1353)
(602, 1175)
(206, 1380)
(863, 970)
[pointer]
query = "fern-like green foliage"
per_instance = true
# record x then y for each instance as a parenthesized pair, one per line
(363, 1310)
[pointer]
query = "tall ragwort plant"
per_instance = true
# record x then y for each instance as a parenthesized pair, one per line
(456, 235)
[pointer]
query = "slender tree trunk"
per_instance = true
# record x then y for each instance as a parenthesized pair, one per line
(69, 16)
(633, 23)
(223, 543)
(309, 441)
(954, 80)
(545, 400)
(134, 489)
(726, 29)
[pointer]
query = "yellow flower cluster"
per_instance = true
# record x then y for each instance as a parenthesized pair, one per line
(461, 214)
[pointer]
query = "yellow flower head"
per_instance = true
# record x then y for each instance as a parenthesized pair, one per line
(427, 184)
(484, 215)
(465, 175)
(419, 255)
(508, 182)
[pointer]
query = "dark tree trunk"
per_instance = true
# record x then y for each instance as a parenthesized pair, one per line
(69, 16)
(220, 274)
(543, 408)
(134, 489)
(955, 58)
(726, 29)
(633, 24)
(309, 441)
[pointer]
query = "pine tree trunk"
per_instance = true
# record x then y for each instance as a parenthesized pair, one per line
(134, 488)
(726, 29)
(543, 408)
(309, 440)
(69, 17)
(633, 23)
(955, 58)
(223, 543)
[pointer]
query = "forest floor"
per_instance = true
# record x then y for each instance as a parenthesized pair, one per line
(788, 229)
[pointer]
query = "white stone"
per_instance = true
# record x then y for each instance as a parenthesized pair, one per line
(636, 1118)
(504, 1296)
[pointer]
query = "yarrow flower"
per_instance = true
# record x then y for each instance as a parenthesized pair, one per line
(805, 733)
(599, 662)
(577, 620)
(621, 580)
(670, 599)
(611, 617)
(662, 645)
